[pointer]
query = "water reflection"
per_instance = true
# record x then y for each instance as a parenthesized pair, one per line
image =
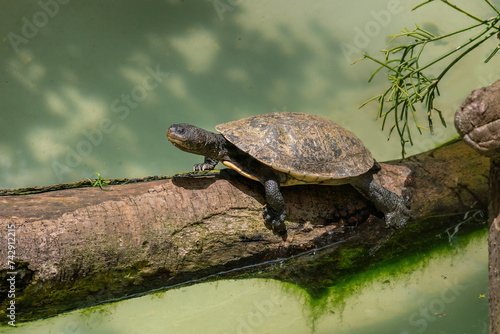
(448, 294)
(90, 107)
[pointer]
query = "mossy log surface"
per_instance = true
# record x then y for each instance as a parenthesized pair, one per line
(77, 247)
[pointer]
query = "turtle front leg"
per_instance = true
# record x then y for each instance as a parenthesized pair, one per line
(208, 164)
(274, 211)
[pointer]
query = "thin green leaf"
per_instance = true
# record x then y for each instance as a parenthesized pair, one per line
(443, 122)
(422, 4)
(370, 100)
(493, 7)
(492, 54)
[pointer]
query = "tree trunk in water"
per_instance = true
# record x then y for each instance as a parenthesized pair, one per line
(478, 122)
(78, 247)
(493, 246)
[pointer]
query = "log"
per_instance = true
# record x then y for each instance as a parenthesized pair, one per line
(79, 247)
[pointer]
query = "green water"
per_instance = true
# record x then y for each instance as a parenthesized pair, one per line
(444, 293)
(91, 86)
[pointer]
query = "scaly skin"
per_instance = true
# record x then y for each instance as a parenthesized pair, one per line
(216, 148)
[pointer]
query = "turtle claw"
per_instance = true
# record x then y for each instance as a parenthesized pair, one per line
(398, 217)
(275, 221)
(201, 167)
(207, 164)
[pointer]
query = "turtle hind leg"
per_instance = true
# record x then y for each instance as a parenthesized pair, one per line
(207, 164)
(393, 206)
(274, 211)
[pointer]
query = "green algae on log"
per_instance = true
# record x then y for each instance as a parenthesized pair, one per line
(372, 300)
(78, 184)
(82, 246)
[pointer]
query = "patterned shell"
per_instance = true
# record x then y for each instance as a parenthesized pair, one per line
(300, 144)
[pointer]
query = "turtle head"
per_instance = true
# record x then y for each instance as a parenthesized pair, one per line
(192, 139)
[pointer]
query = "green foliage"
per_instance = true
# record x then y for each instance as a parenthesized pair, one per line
(410, 83)
(99, 182)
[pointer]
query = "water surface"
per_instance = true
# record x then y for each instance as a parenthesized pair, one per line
(445, 292)
(93, 86)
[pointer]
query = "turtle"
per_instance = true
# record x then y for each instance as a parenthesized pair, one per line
(286, 149)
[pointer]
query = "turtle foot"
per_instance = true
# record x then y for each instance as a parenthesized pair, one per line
(398, 217)
(275, 221)
(207, 164)
(201, 167)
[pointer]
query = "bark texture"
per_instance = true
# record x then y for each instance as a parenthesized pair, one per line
(494, 246)
(78, 247)
(478, 121)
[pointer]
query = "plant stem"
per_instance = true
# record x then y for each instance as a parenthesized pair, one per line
(408, 83)
(492, 6)
(462, 11)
